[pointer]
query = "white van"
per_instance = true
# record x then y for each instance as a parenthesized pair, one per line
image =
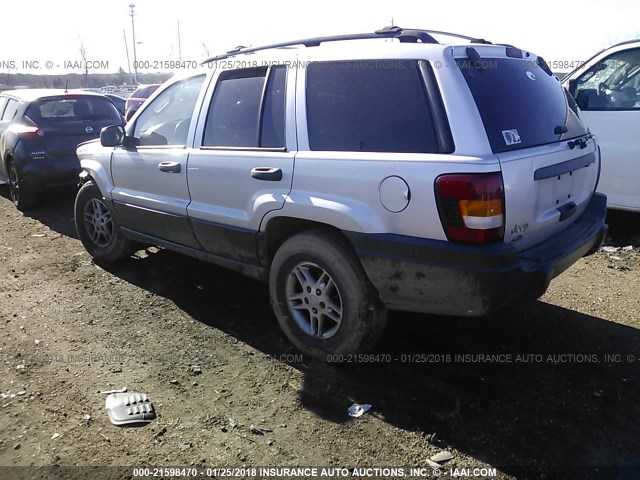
(606, 90)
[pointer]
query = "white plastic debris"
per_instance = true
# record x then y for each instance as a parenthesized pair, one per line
(357, 410)
(628, 248)
(609, 249)
(119, 390)
(55, 436)
(443, 456)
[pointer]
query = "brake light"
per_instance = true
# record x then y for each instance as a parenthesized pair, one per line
(471, 207)
(30, 131)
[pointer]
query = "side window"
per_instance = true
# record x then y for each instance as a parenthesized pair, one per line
(245, 114)
(369, 106)
(166, 120)
(10, 110)
(3, 102)
(273, 115)
(611, 84)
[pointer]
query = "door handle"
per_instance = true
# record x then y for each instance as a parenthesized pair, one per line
(270, 174)
(169, 167)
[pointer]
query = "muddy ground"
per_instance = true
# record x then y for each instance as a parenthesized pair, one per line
(532, 392)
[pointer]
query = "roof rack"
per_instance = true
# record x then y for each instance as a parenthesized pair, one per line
(405, 35)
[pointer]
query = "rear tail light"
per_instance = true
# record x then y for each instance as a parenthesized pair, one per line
(30, 131)
(471, 207)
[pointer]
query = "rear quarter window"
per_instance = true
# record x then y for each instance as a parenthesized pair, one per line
(369, 106)
(10, 110)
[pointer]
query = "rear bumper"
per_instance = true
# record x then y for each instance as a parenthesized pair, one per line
(433, 276)
(49, 173)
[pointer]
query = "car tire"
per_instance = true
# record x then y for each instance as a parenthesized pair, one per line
(97, 226)
(21, 195)
(322, 298)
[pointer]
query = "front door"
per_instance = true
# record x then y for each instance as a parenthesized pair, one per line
(608, 95)
(150, 179)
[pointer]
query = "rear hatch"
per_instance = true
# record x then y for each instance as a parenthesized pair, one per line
(549, 160)
(68, 120)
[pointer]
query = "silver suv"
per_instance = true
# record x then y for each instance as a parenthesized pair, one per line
(356, 174)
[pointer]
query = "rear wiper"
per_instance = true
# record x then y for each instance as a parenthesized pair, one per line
(476, 59)
(560, 129)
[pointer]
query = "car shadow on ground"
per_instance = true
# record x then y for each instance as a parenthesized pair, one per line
(55, 210)
(538, 385)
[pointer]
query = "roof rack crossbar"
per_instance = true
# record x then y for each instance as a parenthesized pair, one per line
(403, 34)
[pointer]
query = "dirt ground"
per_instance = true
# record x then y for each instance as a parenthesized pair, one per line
(546, 390)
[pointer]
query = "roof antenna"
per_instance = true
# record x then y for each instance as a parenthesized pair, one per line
(66, 86)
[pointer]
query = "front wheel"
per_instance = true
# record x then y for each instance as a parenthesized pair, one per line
(322, 297)
(97, 228)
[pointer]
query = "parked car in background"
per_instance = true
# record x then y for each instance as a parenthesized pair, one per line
(119, 102)
(138, 97)
(606, 89)
(39, 133)
(454, 191)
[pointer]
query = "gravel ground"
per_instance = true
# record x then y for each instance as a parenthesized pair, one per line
(531, 392)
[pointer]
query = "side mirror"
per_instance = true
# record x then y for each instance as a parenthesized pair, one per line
(573, 86)
(112, 136)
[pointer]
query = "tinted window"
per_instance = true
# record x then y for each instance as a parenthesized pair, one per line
(73, 109)
(3, 102)
(519, 103)
(368, 106)
(10, 110)
(144, 92)
(611, 84)
(166, 120)
(273, 116)
(149, 90)
(233, 116)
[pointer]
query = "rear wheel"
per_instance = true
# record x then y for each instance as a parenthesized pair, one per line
(21, 196)
(322, 297)
(97, 227)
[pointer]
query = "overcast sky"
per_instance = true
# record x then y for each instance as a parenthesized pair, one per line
(51, 31)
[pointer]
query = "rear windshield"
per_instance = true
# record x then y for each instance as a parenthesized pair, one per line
(69, 109)
(519, 103)
(144, 92)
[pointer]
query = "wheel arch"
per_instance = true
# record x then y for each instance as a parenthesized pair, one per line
(278, 230)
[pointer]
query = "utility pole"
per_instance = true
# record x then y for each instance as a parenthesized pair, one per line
(133, 30)
(179, 45)
(126, 47)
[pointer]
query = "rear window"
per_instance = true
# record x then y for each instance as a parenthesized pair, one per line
(144, 92)
(520, 104)
(369, 106)
(73, 109)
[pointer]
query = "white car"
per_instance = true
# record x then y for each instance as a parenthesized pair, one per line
(606, 89)
(356, 177)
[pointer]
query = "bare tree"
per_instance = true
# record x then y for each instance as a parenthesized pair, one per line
(85, 63)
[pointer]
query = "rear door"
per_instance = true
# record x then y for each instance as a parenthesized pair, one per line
(241, 166)
(69, 120)
(3, 127)
(150, 179)
(548, 159)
